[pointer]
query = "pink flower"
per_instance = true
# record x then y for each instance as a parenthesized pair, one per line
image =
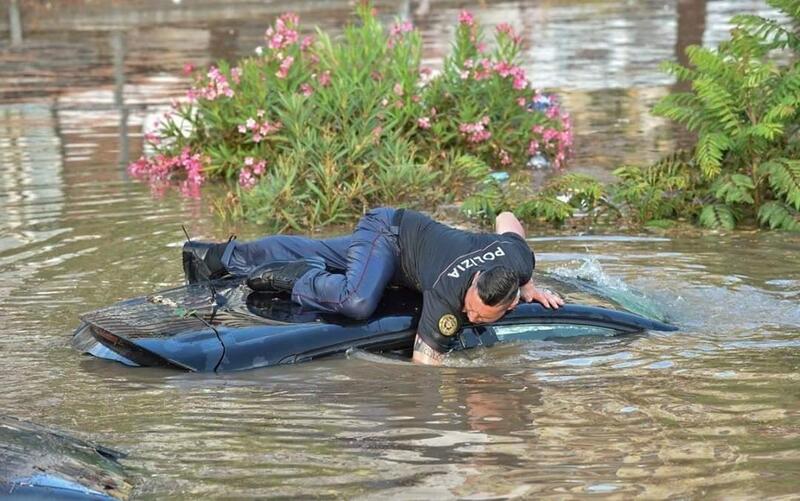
(505, 158)
(325, 78)
(246, 179)
(192, 165)
(465, 18)
(522, 102)
(216, 86)
(289, 18)
(480, 136)
(533, 147)
(161, 168)
(504, 28)
(306, 43)
(565, 139)
(558, 161)
(400, 28)
(503, 68)
(397, 31)
(306, 89)
(549, 134)
(252, 170)
(506, 69)
(188, 69)
(484, 70)
(424, 123)
(283, 34)
(283, 71)
(398, 89)
(476, 132)
(152, 138)
(236, 74)
(508, 30)
(259, 130)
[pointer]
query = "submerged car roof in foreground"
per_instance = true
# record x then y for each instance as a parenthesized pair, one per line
(228, 327)
(42, 463)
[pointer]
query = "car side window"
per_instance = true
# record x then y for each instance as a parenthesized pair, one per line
(545, 332)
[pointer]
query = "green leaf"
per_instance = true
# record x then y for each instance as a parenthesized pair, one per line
(709, 152)
(777, 215)
(717, 216)
(770, 31)
(784, 178)
(734, 189)
(679, 71)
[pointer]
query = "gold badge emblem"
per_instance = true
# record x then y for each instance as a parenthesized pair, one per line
(448, 324)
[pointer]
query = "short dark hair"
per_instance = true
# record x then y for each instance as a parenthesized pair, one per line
(497, 285)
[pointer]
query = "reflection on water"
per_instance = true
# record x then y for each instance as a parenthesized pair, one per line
(707, 411)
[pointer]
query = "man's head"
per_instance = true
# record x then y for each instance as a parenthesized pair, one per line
(492, 293)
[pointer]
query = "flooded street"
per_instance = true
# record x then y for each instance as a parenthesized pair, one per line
(712, 410)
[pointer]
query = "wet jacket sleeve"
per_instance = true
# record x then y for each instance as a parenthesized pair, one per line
(439, 326)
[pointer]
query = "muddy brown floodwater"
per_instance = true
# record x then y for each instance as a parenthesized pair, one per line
(710, 411)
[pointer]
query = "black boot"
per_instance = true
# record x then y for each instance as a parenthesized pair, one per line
(280, 276)
(202, 261)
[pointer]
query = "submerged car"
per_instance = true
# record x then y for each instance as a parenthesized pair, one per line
(42, 463)
(225, 326)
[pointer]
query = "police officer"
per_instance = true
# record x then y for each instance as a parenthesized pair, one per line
(463, 276)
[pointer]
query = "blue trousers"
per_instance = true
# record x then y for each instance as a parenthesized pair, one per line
(358, 267)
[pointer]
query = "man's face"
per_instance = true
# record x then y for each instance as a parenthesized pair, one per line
(480, 313)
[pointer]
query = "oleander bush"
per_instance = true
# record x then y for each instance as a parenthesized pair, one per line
(314, 129)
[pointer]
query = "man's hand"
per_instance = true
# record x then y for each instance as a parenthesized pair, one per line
(547, 298)
(424, 354)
